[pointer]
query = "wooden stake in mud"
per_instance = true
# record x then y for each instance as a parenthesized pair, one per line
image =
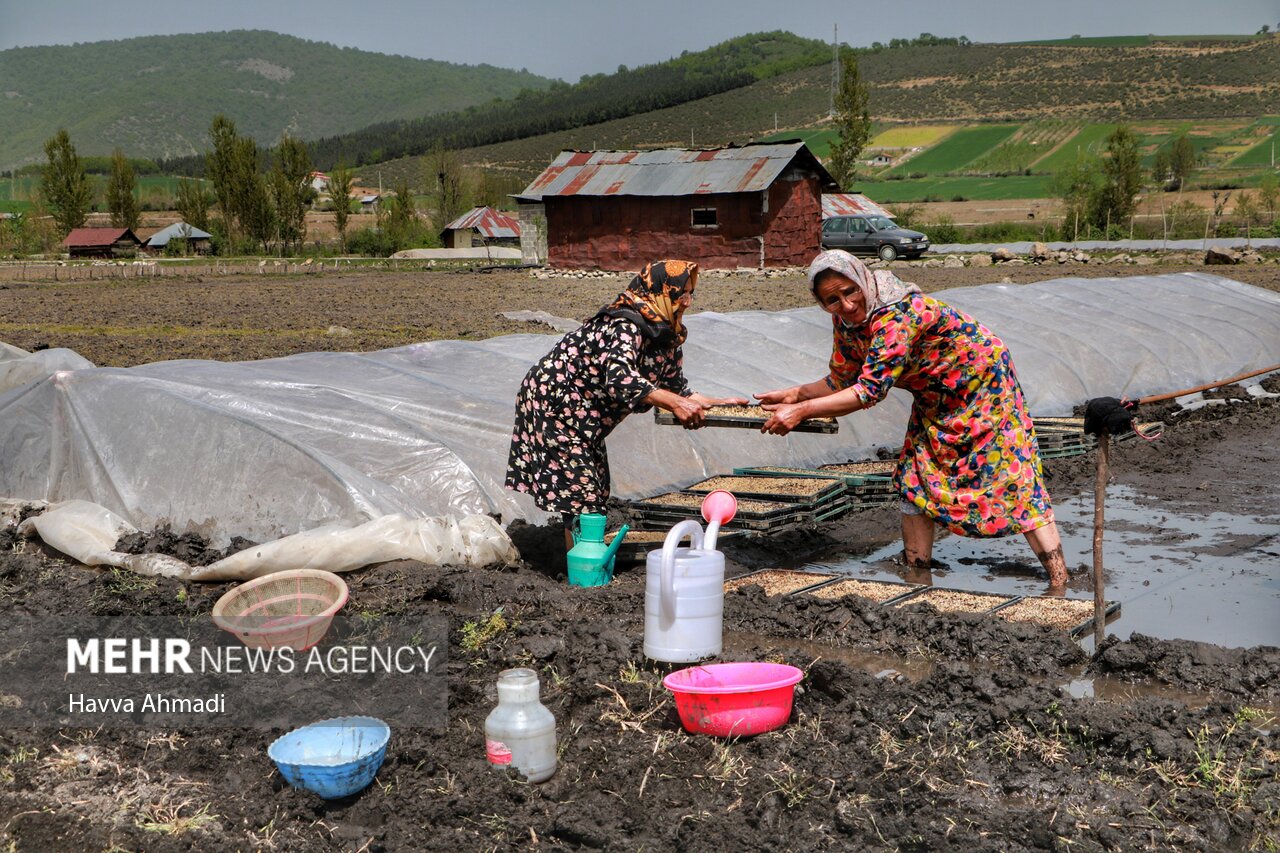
(1099, 502)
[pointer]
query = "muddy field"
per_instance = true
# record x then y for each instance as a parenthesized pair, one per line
(249, 316)
(912, 730)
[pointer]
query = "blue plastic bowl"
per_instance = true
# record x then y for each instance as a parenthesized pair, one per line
(333, 758)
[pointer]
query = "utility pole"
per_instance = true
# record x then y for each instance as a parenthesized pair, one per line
(835, 68)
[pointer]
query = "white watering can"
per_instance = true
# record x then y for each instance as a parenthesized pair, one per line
(684, 588)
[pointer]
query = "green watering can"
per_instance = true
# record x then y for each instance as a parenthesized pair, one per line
(590, 560)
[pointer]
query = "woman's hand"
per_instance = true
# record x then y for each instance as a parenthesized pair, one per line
(782, 395)
(783, 417)
(689, 412)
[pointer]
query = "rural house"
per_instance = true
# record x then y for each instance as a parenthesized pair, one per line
(198, 241)
(101, 243)
(851, 204)
(481, 226)
(755, 206)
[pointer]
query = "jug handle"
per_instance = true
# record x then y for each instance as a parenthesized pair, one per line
(667, 595)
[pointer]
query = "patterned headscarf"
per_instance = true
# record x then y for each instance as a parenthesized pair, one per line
(650, 300)
(880, 288)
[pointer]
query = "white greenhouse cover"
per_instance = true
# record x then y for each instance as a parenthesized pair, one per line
(268, 448)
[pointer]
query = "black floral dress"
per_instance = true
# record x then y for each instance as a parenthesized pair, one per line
(571, 400)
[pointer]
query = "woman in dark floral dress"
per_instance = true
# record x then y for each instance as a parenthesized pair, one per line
(970, 461)
(627, 358)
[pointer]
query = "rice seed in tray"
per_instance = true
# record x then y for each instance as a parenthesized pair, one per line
(751, 417)
(1065, 614)
(878, 466)
(955, 600)
(772, 471)
(772, 488)
(680, 500)
(777, 581)
(878, 591)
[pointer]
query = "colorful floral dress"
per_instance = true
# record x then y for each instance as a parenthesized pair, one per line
(970, 459)
(571, 400)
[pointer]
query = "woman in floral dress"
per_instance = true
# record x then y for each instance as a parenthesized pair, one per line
(627, 358)
(970, 459)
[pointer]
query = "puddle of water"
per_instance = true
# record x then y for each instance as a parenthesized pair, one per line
(873, 663)
(1177, 574)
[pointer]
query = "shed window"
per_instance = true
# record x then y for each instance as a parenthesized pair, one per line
(704, 217)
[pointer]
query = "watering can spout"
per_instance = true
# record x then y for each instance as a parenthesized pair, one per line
(612, 550)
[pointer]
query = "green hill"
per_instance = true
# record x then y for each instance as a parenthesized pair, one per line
(156, 96)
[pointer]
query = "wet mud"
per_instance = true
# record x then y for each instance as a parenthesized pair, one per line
(912, 730)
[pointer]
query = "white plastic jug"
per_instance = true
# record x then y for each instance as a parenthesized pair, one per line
(683, 598)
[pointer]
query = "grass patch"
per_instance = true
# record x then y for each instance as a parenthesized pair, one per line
(478, 633)
(1089, 140)
(973, 188)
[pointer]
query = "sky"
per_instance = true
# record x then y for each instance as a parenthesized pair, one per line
(569, 38)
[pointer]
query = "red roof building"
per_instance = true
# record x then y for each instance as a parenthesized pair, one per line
(101, 243)
(482, 226)
(754, 206)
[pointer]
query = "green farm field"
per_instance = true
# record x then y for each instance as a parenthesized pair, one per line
(971, 188)
(957, 150)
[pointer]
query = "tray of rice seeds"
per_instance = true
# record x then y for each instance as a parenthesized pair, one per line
(747, 417)
(772, 471)
(881, 592)
(857, 473)
(752, 514)
(804, 490)
(832, 510)
(955, 600)
(1073, 615)
(778, 581)
(636, 547)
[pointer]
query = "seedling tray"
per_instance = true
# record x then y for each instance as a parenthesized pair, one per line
(747, 417)
(664, 510)
(881, 592)
(955, 600)
(636, 547)
(800, 490)
(1073, 615)
(787, 472)
(779, 581)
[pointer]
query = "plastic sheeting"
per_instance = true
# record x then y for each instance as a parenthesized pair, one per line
(267, 448)
(88, 533)
(18, 367)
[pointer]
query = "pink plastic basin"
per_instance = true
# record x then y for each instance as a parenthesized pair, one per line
(734, 699)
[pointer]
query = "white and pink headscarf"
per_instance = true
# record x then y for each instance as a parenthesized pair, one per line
(880, 288)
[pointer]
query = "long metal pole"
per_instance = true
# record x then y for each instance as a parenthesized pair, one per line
(1099, 521)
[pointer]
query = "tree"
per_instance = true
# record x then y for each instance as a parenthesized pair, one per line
(446, 187)
(64, 186)
(340, 191)
(193, 203)
(402, 217)
(1182, 159)
(1160, 169)
(852, 121)
(1269, 195)
(121, 189)
(220, 165)
(1077, 185)
(1117, 197)
(291, 191)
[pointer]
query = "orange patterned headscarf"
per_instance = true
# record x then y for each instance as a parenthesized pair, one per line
(652, 297)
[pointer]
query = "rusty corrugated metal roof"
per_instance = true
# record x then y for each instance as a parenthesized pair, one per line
(847, 204)
(96, 236)
(670, 171)
(491, 223)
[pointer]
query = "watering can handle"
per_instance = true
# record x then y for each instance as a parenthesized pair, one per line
(667, 594)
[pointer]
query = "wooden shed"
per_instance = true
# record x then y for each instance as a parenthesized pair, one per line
(101, 243)
(753, 206)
